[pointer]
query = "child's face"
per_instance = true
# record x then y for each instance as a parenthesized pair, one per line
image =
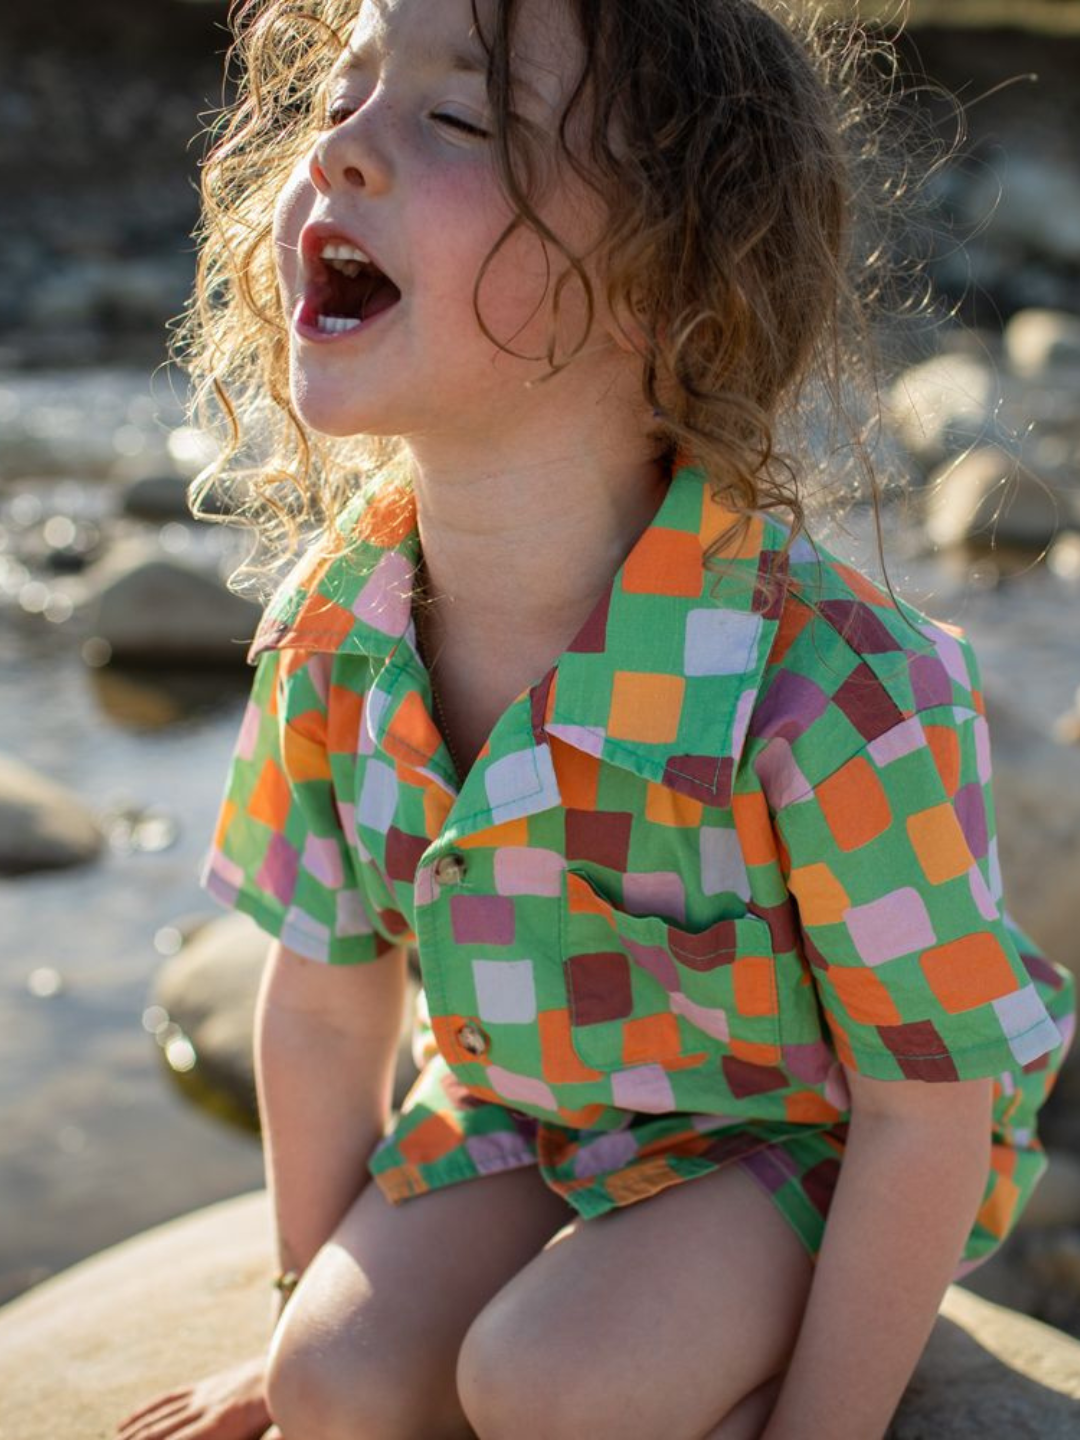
(402, 175)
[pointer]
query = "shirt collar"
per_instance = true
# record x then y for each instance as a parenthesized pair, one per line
(662, 677)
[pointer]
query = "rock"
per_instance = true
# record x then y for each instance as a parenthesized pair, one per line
(153, 609)
(989, 1372)
(1034, 208)
(1067, 726)
(1064, 559)
(1037, 341)
(944, 404)
(1037, 799)
(157, 498)
(208, 990)
(127, 1331)
(83, 1349)
(125, 293)
(82, 422)
(988, 499)
(1056, 1200)
(42, 825)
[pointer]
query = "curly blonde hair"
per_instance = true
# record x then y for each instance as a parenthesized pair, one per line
(746, 237)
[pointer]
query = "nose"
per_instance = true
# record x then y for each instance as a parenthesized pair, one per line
(347, 157)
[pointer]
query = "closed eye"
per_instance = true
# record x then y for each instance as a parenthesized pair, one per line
(336, 112)
(457, 123)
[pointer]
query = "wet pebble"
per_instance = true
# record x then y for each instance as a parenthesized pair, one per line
(43, 826)
(156, 609)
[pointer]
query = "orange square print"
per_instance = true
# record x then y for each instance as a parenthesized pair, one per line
(323, 621)
(303, 754)
(968, 972)
(578, 774)
(945, 748)
(651, 1039)
(939, 844)
(270, 799)
(343, 720)
(645, 707)
(864, 997)
(431, 1139)
(854, 804)
(754, 980)
(997, 1210)
(561, 1063)
(756, 834)
(822, 899)
(670, 807)
(664, 562)
(755, 1053)
(225, 818)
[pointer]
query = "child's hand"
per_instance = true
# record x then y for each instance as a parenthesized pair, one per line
(230, 1405)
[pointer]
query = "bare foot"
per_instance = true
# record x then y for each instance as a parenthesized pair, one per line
(230, 1405)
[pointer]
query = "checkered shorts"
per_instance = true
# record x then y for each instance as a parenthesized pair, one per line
(444, 1134)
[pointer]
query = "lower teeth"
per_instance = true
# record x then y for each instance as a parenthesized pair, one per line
(335, 324)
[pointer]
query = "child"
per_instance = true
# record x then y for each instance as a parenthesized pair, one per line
(689, 823)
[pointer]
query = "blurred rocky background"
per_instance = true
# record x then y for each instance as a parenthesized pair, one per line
(125, 1005)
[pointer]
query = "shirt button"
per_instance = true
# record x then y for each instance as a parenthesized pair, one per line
(449, 869)
(472, 1038)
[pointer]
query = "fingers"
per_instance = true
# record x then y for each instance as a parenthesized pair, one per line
(157, 1410)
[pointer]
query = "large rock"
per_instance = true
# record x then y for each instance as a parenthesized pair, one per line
(1038, 341)
(1037, 799)
(989, 1372)
(151, 608)
(156, 498)
(208, 991)
(988, 498)
(944, 404)
(42, 825)
(81, 1351)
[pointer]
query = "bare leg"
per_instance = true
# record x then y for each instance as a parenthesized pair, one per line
(367, 1347)
(750, 1416)
(659, 1318)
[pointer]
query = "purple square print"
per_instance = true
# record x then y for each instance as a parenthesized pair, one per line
(655, 893)
(482, 919)
(645, 1087)
(897, 924)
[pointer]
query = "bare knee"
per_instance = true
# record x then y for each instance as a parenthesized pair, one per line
(509, 1383)
(323, 1385)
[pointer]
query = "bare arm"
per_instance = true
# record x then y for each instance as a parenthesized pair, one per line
(325, 1043)
(914, 1172)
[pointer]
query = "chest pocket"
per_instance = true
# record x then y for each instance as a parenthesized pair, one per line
(643, 991)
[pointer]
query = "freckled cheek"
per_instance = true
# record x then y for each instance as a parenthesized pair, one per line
(456, 221)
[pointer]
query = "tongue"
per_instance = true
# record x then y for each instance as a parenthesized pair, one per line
(378, 295)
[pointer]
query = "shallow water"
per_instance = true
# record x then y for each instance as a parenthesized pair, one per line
(96, 1143)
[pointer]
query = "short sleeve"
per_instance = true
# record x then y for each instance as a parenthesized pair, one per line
(279, 852)
(892, 863)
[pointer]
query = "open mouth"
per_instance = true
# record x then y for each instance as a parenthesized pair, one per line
(346, 289)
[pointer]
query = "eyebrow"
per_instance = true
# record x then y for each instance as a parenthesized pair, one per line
(458, 62)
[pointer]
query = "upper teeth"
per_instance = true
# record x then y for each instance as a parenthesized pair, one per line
(348, 258)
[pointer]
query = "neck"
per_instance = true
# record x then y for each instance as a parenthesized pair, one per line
(535, 540)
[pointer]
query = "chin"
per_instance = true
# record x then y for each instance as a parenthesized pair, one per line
(335, 416)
